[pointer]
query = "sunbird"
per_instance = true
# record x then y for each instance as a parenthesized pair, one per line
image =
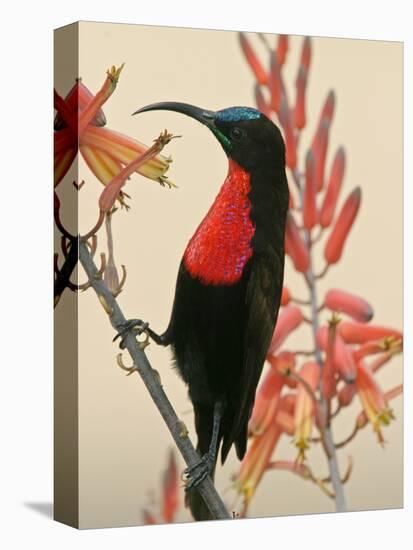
(228, 288)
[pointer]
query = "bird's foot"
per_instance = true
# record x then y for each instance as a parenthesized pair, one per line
(134, 326)
(195, 474)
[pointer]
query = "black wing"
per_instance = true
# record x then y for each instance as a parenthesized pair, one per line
(262, 303)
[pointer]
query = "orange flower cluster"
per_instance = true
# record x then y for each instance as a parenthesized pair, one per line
(296, 396)
(79, 126)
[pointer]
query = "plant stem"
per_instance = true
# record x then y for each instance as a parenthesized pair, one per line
(326, 435)
(152, 382)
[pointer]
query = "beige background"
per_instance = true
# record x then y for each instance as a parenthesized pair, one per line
(123, 442)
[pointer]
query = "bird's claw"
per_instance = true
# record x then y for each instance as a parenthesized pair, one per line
(134, 326)
(195, 474)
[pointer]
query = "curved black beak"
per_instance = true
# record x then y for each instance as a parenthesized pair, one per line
(202, 115)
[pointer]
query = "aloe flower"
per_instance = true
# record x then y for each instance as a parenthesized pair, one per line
(304, 408)
(170, 488)
(360, 333)
(310, 215)
(261, 102)
(328, 207)
(79, 126)
(275, 84)
(338, 236)
(288, 320)
(259, 453)
(285, 296)
(256, 461)
(343, 358)
(373, 400)
(256, 66)
(282, 49)
(266, 402)
(295, 247)
(354, 306)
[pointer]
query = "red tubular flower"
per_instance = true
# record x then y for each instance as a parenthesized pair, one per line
(345, 302)
(289, 319)
(79, 126)
(338, 236)
(373, 400)
(343, 358)
(170, 490)
(295, 247)
(256, 461)
(390, 345)
(260, 73)
(346, 393)
(319, 148)
(359, 333)
(275, 83)
(304, 408)
(284, 363)
(285, 414)
(286, 121)
(92, 108)
(299, 109)
(320, 140)
(76, 100)
(282, 48)
(327, 111)
(362, 419)
(306, 53)
(63, 161)
(333, 189)
(261, 102)
(309, 197)
(266, 402)
(285, 296)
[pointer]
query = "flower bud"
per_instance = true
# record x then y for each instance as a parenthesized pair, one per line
(359, 333)
(338, 236)
(260, 73)
(289, 319)
(309, 196)
(295, 247)
(333, 189)
(345, 302)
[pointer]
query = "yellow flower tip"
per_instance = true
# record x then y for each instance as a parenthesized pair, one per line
(247, 492)
(302, 446)
(163, 180)
(113, 73)
(334, 320)
(385, 417)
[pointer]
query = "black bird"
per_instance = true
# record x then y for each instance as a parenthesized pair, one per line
(229, 286)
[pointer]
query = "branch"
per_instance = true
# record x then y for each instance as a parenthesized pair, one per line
(152, 383)
(63, 275)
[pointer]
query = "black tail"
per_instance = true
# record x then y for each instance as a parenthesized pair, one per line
(204, 415)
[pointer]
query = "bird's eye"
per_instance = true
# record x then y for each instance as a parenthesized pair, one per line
(237, 133)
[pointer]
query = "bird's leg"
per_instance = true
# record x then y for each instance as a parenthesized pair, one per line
(137, 326)
(198, 472)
